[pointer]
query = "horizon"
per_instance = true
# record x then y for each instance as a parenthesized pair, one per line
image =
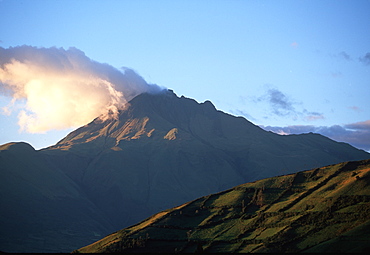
(174, 92)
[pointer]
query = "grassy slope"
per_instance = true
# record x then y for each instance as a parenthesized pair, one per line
(320, 210)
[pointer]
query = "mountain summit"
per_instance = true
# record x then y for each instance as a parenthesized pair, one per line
(160, 151)
(164, 116)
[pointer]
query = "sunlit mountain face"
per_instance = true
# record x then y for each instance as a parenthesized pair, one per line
(316, 211)
(157, 152)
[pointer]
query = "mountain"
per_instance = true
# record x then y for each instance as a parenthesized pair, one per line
(160, 151)
(42, 209)
(321, 210)
(164, 150)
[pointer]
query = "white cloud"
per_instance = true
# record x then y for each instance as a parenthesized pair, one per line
(64, 88)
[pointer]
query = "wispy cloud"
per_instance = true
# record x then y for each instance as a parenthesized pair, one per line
(314, 116)
(280, 103)
(336, 74)
(345, 56)
(355, 108)
(341, 56)
(357, 134)
(283, 105)
(365, 59)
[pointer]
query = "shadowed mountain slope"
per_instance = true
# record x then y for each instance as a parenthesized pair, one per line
(321, 210)
(164, 150)
(159, 152)
(41, 208)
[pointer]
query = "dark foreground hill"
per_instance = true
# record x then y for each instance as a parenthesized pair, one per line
(42, 209)
(322, 210)
(159, 152)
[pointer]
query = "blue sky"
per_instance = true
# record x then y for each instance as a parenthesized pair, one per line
(289, 66)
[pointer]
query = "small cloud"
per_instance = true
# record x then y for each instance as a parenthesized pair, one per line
(314, 116)
(365, 59)
(355, 108)
(6, 110)
(280, 103)
(341, 56)
(345, 56)
(294, 44)
(336, 74)
(279, 99)
(281, 132)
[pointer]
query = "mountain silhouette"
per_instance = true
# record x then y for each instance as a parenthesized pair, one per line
(160, 151)
(321, 210)
(42, 209)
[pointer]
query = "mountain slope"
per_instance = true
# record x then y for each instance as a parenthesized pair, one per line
(159, 152)
(164, 150)
(42, 210)
(321, 210)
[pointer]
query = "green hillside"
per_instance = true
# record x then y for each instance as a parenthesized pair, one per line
(321, 210)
